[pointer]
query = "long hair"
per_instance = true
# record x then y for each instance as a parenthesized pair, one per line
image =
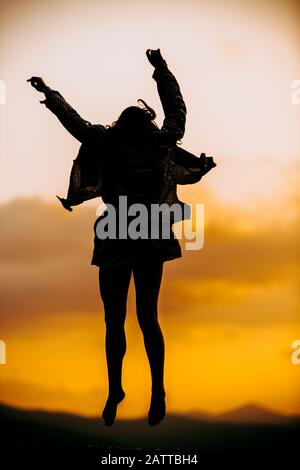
(134, 121)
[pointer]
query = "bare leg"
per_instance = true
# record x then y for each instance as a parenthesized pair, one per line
(147, 283)
(114, 283)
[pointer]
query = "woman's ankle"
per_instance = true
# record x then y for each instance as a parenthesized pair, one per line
(158, 392)
(116, 393)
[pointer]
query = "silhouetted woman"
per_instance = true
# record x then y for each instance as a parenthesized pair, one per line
(136, 159)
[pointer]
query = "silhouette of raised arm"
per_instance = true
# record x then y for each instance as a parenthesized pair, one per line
(78, 127)
(171, 98)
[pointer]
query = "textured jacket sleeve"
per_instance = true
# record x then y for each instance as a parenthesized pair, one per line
(172, 102)
(78, 127)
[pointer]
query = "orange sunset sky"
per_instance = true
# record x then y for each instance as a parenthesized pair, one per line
(230, 311)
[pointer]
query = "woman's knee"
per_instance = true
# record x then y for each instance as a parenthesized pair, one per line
(115, 315)
(114, 323)
(148, 322)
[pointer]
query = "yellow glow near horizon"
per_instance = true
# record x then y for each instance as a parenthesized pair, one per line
(208, 368)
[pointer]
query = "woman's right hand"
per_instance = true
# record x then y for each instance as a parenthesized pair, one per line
(38, 83)
(155, 58)
(207, 163)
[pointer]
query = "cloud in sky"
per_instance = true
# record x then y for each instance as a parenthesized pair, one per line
(229, 313)
(47, 254)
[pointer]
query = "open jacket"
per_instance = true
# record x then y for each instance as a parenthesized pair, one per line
(100, 166)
